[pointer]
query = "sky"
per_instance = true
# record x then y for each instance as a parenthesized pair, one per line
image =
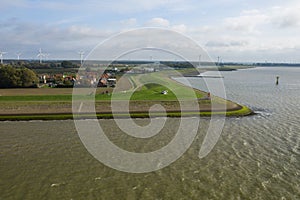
(234, 30)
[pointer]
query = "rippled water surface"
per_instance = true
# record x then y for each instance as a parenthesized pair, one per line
(256, 157)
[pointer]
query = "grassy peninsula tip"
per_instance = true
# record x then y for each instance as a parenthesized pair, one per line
(143, 90)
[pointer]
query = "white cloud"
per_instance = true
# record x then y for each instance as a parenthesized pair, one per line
(48, 5)
(164, 23)
(129, 22)
(28, 37)
(140, 6)
(286, 17)
(247, 22)
(232, 43)
(179, 28)
(257, 32)
(250, 12)
(253, 21)
(158, 22)
(270, 26)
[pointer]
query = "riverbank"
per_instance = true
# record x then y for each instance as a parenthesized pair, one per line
(138, 109)
(56, 104)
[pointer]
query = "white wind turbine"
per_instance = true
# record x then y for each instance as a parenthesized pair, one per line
(1, 56)
(18, 55)
(47, 56)
(199, 64)
(81, 53)
(40, 55)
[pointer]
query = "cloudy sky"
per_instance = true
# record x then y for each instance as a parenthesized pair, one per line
(235, 30)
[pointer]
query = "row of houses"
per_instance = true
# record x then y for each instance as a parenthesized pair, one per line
(91, 77)
(79, 79)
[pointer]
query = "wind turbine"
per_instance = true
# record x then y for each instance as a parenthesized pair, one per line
(40, 55)
(47, 56)
(1, 56)
(81, 53)
(18, 55)
(218, 63)
(199, 60)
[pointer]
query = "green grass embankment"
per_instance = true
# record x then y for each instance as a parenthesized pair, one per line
(141, 93)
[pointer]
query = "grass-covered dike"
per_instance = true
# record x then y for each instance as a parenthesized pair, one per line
(145, 90)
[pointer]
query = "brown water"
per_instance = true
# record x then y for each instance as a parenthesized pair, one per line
(256, 157)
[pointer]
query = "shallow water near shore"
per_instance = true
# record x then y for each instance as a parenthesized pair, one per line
(256, 157)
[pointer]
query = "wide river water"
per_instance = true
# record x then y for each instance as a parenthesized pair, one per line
(256, 157)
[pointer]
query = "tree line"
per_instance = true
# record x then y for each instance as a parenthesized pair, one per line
(46, 65)
(11, 77)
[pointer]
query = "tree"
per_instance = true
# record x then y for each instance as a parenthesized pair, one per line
(67, 64)
(8, 78)
(11, 77)
(27, 78)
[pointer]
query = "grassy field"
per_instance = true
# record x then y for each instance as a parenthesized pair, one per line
(143, 90)
(140, 91)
